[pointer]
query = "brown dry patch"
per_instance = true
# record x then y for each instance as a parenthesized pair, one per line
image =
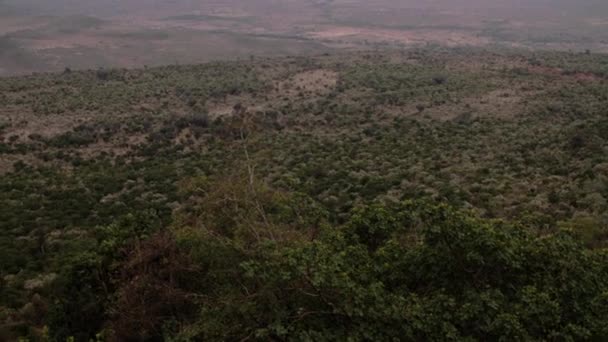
(558, 72)
(100, 147)
(135, 140)
(25, 124)
(585, 76)
(184, 136)
(15, 24)
(7, 162)
(221, 109)
(192, 25)
(318, 81)
(408, 37)
(152, 106)
(224, 107)
(188, 139)
(545, 70)
(501, 103)
(442, 113)
(597, 21)
(69, 41)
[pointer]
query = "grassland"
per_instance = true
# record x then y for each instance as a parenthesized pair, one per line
(89, 35)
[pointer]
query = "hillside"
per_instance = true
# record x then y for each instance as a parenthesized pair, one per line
(295, 198)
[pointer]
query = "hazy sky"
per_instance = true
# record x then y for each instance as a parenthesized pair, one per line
(110, 7)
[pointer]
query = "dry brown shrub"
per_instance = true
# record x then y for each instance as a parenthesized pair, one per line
(153, 287)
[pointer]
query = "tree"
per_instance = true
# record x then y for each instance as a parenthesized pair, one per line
(416, 271)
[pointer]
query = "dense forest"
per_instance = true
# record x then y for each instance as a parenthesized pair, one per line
(419, 194)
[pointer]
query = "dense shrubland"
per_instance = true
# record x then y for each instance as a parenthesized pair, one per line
(415, 195)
